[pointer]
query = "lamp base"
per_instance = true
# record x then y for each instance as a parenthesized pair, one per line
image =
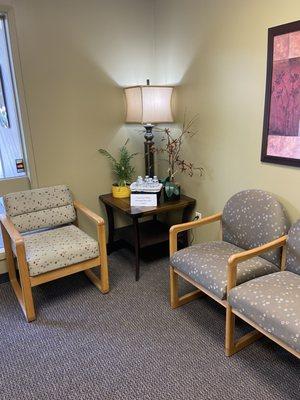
(149, 155)
(149, 158)
(148, 134)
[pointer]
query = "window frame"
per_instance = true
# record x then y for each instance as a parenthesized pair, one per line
(16, 71)
(17, 77)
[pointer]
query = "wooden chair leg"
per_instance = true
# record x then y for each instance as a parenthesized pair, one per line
(101, 283)
(23, 292)
(174, 298)
(8, 254)
(229, 335)
(103, 259)
(177, 301)
(247, 339)
(232, 347)
(98, 282)
(187, 298)
(28, 308)
(93, 278)
(28, 304)
(104, 277)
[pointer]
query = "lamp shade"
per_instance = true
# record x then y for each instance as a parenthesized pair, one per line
(149, 104)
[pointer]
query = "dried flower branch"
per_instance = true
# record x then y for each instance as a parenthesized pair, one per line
(172, 146)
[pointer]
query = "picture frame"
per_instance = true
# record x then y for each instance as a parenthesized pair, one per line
(4, 119)
(281, 127)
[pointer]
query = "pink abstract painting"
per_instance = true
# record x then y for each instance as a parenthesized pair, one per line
(284, 116)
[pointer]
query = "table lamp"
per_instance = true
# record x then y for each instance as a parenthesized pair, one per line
(148, 105)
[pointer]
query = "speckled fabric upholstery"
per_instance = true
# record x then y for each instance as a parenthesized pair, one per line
(40, 208)
(272, 302)
(293, 249)
(252, 218)
(56, 248)
(206, 263)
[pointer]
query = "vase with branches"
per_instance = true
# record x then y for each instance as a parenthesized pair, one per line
(171, 145)
(122, 169)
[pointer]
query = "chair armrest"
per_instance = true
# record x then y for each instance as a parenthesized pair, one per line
(13, 233)
(175, 229)
(90, 214)
(237, 258)
(100, 230)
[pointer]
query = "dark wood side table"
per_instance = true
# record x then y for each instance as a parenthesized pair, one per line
(143, 234)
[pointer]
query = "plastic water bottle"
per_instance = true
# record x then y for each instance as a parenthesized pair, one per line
(150, 183)
(139, 183)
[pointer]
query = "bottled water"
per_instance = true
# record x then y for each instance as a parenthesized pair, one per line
(148, 184)
(139, 183)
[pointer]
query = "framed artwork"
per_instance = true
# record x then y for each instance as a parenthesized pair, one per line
(4, 120)
(281, 131)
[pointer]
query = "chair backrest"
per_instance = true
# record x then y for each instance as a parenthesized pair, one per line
(293, 249)
(252, 218)
(40, 208)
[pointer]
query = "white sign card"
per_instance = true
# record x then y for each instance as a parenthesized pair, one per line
(143, 200)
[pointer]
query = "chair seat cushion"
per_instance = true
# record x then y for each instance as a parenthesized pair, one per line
(56, 248)
(273, 303)
(206, 264)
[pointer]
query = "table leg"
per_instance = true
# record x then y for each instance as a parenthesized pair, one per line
(136, 248)
(111, 228)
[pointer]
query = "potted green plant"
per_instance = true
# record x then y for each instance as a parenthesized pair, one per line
(172, 147)
(122, 169)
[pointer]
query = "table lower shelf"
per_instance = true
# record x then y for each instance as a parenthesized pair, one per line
(150, 232)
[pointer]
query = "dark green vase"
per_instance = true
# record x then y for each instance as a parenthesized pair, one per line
(171, 192)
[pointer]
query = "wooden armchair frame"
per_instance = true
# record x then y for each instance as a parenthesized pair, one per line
(175, 300)
(23, 290)
(230, 346)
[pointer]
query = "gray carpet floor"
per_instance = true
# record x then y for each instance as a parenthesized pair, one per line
(129, 344)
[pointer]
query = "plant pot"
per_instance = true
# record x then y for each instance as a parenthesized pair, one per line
(172, 196)
(120, 192)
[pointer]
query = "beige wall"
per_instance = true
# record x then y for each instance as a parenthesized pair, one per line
(75, 57)
(216, 50)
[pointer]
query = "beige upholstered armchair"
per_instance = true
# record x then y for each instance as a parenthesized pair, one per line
(40, 233)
